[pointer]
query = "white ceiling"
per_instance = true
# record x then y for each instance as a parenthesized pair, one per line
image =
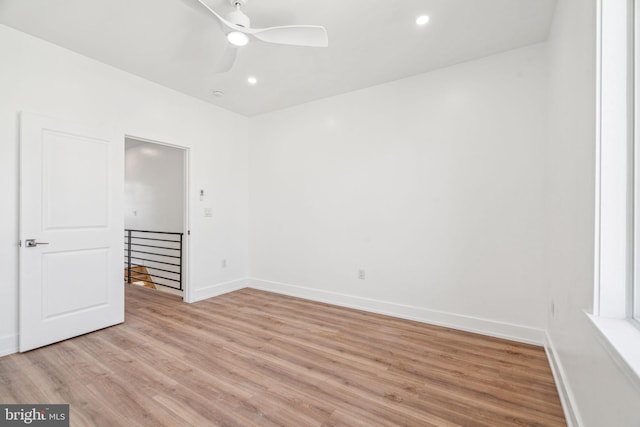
(177, 43)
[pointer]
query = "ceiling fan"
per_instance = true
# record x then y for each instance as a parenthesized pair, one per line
(238, 31)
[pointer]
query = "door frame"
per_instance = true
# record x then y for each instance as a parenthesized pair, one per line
(186, 247)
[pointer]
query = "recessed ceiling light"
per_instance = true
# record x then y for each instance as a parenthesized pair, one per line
(422, 20)
(237, 38)
(252, 80)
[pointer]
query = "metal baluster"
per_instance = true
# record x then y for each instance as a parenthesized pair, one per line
(129, 256)
(180, 268)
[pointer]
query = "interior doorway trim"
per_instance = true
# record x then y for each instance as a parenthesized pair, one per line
(187, 293)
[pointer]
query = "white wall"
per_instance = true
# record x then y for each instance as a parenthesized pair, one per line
(39, 77)
(600, 393)
(153, 187)
(432, 184)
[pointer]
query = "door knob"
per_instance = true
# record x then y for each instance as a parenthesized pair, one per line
(31, 243)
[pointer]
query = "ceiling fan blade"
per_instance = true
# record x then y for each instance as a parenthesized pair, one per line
(296, 35)
(226, 61)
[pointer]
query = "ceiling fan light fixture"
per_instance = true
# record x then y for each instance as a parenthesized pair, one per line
(422, 20)
(237, 38)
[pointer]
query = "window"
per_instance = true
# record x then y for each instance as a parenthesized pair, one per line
(616, 313)
(615, 165)
(634, 90)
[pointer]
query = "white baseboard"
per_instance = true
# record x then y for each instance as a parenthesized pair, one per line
(566, 396)
(8, 345)
(420, 314)
(217, 289)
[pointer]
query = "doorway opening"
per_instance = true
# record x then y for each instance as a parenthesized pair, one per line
(155, 207)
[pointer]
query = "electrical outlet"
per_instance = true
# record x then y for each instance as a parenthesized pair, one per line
(361, 274)
(223, 263)
(208, 212)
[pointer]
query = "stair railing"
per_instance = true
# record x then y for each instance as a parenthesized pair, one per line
(159, 252)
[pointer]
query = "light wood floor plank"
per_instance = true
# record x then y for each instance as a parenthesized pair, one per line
(255, 358)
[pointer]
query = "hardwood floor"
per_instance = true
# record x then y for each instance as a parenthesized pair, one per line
(256, 358)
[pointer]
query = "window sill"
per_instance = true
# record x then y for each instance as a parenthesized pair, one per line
(621, 339)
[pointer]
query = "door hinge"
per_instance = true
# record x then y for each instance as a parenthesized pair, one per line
(20, 243)
(188, 232)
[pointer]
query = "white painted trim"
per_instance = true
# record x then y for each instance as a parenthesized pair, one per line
(477, 325)
(614, 141)
(567, 398)
(621, 340)
(8, 345)
(598, 156)
(215, 290)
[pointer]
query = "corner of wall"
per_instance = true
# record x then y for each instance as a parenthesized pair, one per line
(216, 290)
(562, 384)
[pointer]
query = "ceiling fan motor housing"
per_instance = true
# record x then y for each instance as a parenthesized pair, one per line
(237, 17)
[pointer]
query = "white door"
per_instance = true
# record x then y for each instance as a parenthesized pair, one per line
(71, 230)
